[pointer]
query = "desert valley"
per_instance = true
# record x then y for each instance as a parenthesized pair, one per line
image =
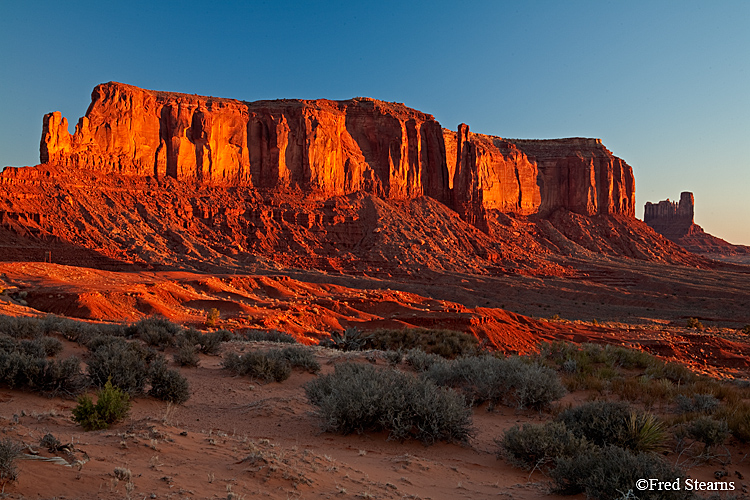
(341, 227)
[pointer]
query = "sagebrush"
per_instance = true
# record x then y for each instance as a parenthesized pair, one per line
(358, 398)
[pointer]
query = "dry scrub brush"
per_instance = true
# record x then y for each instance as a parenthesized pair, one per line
(25, 367)
(612, 472)
(510, 380)
(540, 446)
(615, 423)
(9, 453)
(358, 398)
(272, 364)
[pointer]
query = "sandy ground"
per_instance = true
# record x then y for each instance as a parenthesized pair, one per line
(263, 441)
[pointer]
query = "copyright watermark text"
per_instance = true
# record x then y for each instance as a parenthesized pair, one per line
(654, 484)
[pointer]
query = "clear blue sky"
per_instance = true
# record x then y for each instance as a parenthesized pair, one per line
(665, 84)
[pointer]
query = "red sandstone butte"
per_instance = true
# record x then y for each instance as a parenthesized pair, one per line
(675, 221)
(336, 147)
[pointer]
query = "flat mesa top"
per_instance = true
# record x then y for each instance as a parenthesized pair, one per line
(109, 88)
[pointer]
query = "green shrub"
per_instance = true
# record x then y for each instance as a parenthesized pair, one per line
(737, 416)
(601, 422)
(40, 347)
(709, 431)
(446, 343)
(208, 343)
(393, 358)
(645, 389)
(8, 343)
(33, 348)
(212, 318)
(61, 377)
(168, 385)
(694, 323)
(10, 451)
(125, 364)
(583, 357)
(569, 366)
(479, 379)
(420, 360)
(358, 397)
(614, 423)
(70, 329)
(630, 358)
(187, 355)
(79, 331)
(571, 358)
(268, 336)
(349, 339)
(698, 403)
(18, 369)
(509, 380)
(558, 351)
(154, 331)
(535, 445)
(188, 336)
(93, 342)
(646, 433)
(52, 346)
(258, 365)
(536, 386)
(211, 342)
(21, 327)
(113, 404)
(674, 372)
(298, 357)
(612, 472)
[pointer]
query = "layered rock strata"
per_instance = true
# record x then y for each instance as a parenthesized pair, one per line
(336, 148)
(581, 175)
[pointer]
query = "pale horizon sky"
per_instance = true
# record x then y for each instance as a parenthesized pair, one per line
(664, 84)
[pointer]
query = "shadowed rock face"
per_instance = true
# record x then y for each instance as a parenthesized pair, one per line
(336, 148)
(669, 217)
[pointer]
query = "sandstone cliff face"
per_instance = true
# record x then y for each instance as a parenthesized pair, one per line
(489, 173)
(336, 148)
(536, 176)
(581, 175)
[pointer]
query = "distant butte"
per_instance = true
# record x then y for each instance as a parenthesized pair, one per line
(675, 221)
